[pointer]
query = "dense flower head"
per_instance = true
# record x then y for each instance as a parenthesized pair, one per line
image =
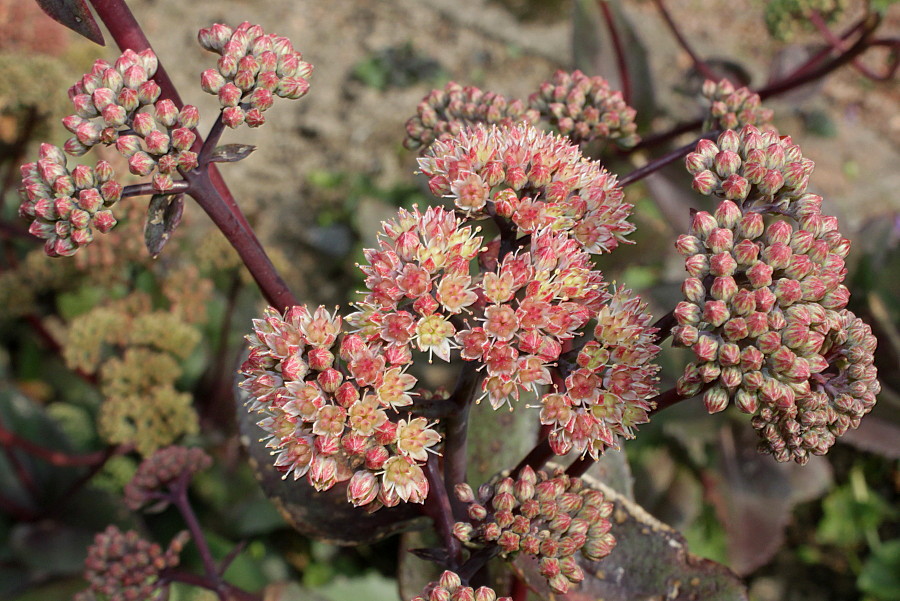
(123, 566)
(550, 517)
(67, 206)
(786, 18)
(119, 104)
(166, 466)
(839, 396)
(764, 310)
(731, 108)
(449, 587)
(585, 108)
(253, 69)
(750, 166)
(445, 113)
(608, 389)
(327, 399)
(535, 179)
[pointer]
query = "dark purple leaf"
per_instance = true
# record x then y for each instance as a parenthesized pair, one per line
(75, 15)
(163, 216)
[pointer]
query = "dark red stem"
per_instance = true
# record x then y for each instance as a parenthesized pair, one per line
(839, 44)
(699, 64)
(179, 186)
(670, 157)
(232, 592)
(54, 457)
(618, 48)
(437, 507)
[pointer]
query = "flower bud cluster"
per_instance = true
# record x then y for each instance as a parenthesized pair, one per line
(327, 406)
(122, 566)
(444, 113)
(549, 517)
(585, 108)
(535, 179)
(120, 104)
(763, 314)
(450, 588)
(253, 69)
(732, 108)
(840, 395)
(67, 206)
(164, 467)
(750, 166)
(607, 391)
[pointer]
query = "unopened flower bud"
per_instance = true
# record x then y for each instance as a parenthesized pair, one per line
(148, 92)
(715, 399)
(166, 112)
(141, 163)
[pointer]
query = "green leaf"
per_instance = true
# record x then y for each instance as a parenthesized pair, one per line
(848, 513)
(370, 586)
(880, 576)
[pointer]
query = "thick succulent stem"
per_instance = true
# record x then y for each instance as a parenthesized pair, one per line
(437, 507)
(618, 48)
(670, 157)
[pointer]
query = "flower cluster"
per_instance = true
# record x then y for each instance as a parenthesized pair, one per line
(449, 587)
(332, 425)
(763, 301)
(549, 517)
(67, 206)
(444, 113)
(122, 566)
(608, 389)
(535, 179)
(750, 166)
(522, 335)
(253, 69)
(585, 108)
(119, 104)
(731, 108)
(165, 466)
(840, 395)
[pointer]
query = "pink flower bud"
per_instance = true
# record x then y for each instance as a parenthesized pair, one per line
(685, 335)
(79, 218)
(102, 97)
(63, 186)
(114, 115)
(765, 299)
(722, 264)
(233, 116)
(836, 299)
(688, 245)
(746, 401)
(72, 122)
(697, 266)
(292, 87)
(727, 214)
(267, 80)
(134, 76)
(516, 177)
(362, 488)
(245, 80)
(723, 288)
(82, 236)
(705, 182)
(148, 92)
(84, 106)
(727, 163)
(162, 182)
(715, 399)
(736, 187)
(141, 163)
(88, 133)
(703, 224)
(187, 160)
(83, 177)
(788, 291)
(229, 95)
(183, 138)
(736, 329)
(128, 99)
(254, 118)
(729, 140)
(149, 61)
(696, 162)
(74, 147)
(754, 171)
(706, 348)
(157, 142)
(771, 182)
(111, 191)
(715, 312)
(760, 275)
(62, 208)
(261, 99)
(104, 221)
(720, 240)
(90, 200)
(166, 112)
(112, 80)
(143, 124)
(188, 117)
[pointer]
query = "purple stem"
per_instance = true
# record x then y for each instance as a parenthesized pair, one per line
(457, 431)
(699, 64)
(618, 48)
(670, 157)
(178, 187)
(437, 507)
(232, 592)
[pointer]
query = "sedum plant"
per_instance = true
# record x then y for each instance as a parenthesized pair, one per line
(495, 277)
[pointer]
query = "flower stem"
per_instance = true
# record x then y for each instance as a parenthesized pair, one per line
(179, 497)
(664, 327)
(178, 187)
(667, 399)
(670, 157)
(618, 48)
(437, 507)
(456, 433)
(537, 457)
(699, 64)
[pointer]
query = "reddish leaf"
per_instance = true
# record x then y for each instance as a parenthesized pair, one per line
(75, 15)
